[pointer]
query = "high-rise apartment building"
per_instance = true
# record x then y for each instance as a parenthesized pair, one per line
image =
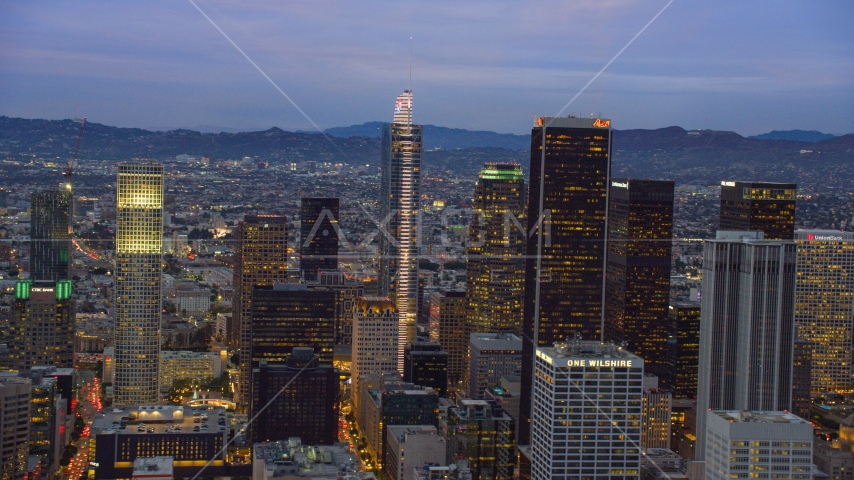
(824, 304)
(41, 330)
(318, 249)
(308, 408)
(482, 433)
(400, 207)
(426, 364)
(565, 251)
(776, 443)
(50, 235)
(491, 357)
(138, 276)
(448, 328)
(637, 286)
(683, 349)
(375, 329)
(582, 387)
(14, 427)
(495, 265)
(289, 315)
(261, 258)
(746, 327)
(759, 206)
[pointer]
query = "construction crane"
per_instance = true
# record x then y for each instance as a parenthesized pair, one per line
(69, 167)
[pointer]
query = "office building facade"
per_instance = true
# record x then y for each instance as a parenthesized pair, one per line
(747, 325)
(50, 235)
(347, 292)
(426, 364)
(495, 265)
(583, 387)
(759, 206)
(777, 444)
(318, 249)
(656, 425)
(683, 349)
(565, 249)
(448, 312)
(14, 427)
(802, 378)
(261, 259)
(637, 286)
(41, 329)
(375, 337)
(824, 304)
(484, 435)
(308, 408)
(491, 357)
(411, 446)
(138, 277)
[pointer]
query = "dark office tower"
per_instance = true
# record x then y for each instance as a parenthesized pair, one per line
(565, 252)
(447, 327)
(308, 408)
(747, 326)
(637, 273)
(50, 235)
(41, 330)
(764, 206)
(683, 349)
(290, 315)
(406, 404)
(802, 378)
(495, 266)
(425, 364)
(400, 197)
(261, 258)
(347, 292)
(318, 249)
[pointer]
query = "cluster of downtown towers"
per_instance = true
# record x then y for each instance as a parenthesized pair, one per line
(573, 252)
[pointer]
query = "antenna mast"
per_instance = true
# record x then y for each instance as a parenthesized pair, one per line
(409, 120)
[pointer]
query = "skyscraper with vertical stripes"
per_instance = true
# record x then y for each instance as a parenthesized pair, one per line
(139, 241)
(400, 196)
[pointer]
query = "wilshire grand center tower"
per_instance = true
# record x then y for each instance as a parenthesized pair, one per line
(400, 192)
(139, 237)
(565, 255)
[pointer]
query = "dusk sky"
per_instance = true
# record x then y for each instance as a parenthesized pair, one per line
(748, 66)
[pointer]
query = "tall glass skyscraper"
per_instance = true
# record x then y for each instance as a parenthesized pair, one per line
(759, 206)
(637, 285)
(824, 304)
(495, 264)
(400, 196)
(50, 235)
(318, 236)
(139, 241)
(565, 256)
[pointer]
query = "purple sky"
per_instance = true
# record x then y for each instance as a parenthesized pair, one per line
(748, 66)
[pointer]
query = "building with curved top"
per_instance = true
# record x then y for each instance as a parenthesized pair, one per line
(375, 340)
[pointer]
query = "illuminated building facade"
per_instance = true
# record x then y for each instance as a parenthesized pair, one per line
(482, 433)
(759, 206)
(400, 207)
(375, 329)
(41, 329)
(308, 408)
(747, 326)
(491, 357)
(426, 364)
(448, 328)
(684, 349)
(138, 277)
(347, 292)
(583, 387)
(50, 235)
(655, 430)
(197, 366)
(318, 236)
(495, 265)
(637, 286)
(565, 252)
(15, 427)
(824, 304)
(289, 315)
(261, 258)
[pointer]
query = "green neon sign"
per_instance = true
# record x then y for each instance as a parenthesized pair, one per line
(22, 289)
